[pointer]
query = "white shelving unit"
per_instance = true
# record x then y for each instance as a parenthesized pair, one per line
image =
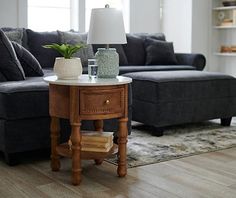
(223, 34)
(225, 8)
(224, 27)
(224, 54)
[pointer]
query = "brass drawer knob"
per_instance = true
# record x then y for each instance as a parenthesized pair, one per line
(107, 102)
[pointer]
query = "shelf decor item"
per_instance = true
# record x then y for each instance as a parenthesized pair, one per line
(107, 27)
(228, 49)
(227, 22)
(229, 3)
(225, 49)
(233, 48)
(67, 67)
(221, 16)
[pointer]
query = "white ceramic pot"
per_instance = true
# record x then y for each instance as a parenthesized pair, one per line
(68, 68)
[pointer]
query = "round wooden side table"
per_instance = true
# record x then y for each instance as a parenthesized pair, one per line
(87, 99)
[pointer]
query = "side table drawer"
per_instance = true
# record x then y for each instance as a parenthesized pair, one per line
(102, 101)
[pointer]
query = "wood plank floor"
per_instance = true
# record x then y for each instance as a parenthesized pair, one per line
(206, 175)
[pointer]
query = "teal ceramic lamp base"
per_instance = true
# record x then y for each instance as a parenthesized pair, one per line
(108, 62)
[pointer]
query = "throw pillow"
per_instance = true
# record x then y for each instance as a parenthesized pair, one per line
(36, 40)
(159, 52)
(134, 50)
(19, 37)
(9, 64)
(2, 77)
(15, 35)
(74, 38)
(29, 63)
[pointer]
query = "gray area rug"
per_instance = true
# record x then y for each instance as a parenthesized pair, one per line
(180, 141)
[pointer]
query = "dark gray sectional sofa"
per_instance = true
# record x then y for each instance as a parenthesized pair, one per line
(24, 117)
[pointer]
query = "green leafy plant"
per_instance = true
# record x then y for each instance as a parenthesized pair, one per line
(66, 50)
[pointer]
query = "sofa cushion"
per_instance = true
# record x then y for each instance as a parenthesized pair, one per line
(159, 52)
(135, 49)
(138, 68)
(74, 38)
(36, 40)
(29, 63)
(15, 35)
(22, 35)
(119, 49)
(9, 64)
(24, 99)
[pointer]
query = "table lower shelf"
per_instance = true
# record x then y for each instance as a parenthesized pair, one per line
(64, 150)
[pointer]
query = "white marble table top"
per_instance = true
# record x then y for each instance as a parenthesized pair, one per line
(84, 80)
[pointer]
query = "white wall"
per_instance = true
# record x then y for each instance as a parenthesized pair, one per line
(8, 13)
(144, 16)
(13, 13)
(176, 23)
(201, 15)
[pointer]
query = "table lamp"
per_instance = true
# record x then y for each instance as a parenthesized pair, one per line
(107, 27)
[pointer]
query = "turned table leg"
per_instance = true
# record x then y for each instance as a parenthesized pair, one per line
(76, 158)
(75, 135)
(122, 141)
(55, 134)
(98, 125)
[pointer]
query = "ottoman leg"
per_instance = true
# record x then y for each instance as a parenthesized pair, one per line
(157, 131)
(226, 121)
(11, 159)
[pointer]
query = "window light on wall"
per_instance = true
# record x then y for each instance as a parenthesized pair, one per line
(48, 15)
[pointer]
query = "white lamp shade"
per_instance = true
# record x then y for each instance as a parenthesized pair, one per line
(106, 27)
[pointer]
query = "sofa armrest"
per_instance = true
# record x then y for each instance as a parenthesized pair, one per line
(196, 60)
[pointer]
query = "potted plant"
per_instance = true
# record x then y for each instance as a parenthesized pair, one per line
(67, 67)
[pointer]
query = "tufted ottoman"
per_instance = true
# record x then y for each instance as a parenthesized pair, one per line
(175, 97)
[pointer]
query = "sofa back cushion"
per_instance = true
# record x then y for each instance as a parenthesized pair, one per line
(10, 66)
(18, 35)
(15, 35)
(155, 36)
(135, 49)
(36, 40)
(76, 38)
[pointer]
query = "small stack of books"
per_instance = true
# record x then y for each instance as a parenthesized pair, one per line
(96, 141)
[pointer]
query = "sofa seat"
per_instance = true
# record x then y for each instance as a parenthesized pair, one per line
(176, 97)
(24, 99)
(139, 68)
